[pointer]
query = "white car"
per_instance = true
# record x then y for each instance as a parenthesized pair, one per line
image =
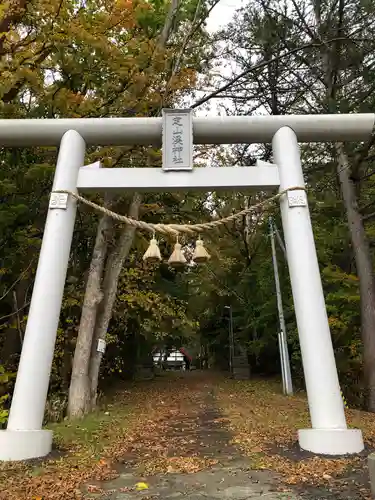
(175, 360)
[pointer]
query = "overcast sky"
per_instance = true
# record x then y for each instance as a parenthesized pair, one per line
(222, 14)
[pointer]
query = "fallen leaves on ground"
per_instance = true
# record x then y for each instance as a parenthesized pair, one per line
(137, 428)
(165, 438)
(264, 424)
(141, 486)
(175, 465)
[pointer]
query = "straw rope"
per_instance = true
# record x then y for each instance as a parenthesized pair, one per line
(175, 229)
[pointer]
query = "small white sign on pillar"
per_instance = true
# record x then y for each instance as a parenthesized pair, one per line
(58, 200)
(177, 139)
(101, 346)
(297, 198)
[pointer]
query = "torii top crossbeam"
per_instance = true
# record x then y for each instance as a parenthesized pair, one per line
(217, 130)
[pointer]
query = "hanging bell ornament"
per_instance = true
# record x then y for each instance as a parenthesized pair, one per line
(200, 254)
(152, 254)
(177, 259)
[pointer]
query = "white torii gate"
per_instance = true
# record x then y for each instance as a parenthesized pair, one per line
(24, 437)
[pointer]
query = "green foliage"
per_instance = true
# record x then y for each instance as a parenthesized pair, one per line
(5, 379)
(101, 60)
(3, 413)
(89, 59)
(325, 77)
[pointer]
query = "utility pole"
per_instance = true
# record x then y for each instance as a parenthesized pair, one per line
(283, 346)
(279, 240)
(231, 339)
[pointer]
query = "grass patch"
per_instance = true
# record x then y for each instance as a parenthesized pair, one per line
(94, 432)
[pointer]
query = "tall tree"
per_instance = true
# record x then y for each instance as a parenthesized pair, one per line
(103, 277)
(315, 57)
(75, 59)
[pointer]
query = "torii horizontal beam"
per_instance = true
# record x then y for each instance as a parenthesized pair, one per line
(155, 179)
(215, 130)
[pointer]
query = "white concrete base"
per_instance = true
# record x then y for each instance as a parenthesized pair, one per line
(331, 441)
(23, 445)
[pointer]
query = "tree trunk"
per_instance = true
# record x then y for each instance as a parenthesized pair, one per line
(168, 24)
(87, 360)
(120, 252)
(361, 249)
(79, 391)
(365, 273)
(113, 268)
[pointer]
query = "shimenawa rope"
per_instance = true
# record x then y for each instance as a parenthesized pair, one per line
(175, 229)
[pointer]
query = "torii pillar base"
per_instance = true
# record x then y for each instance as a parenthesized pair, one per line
(24, 445)
(334, 442)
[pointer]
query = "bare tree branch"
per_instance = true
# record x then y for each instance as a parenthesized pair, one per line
(261, 65)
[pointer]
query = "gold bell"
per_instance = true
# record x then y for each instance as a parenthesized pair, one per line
(152, 254)
(177, 259)
(200, 254)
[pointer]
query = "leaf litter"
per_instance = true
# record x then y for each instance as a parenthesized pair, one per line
(137, 427)
(264, 424)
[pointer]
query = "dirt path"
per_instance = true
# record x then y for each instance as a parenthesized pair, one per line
(194, 436)
(197, 459)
